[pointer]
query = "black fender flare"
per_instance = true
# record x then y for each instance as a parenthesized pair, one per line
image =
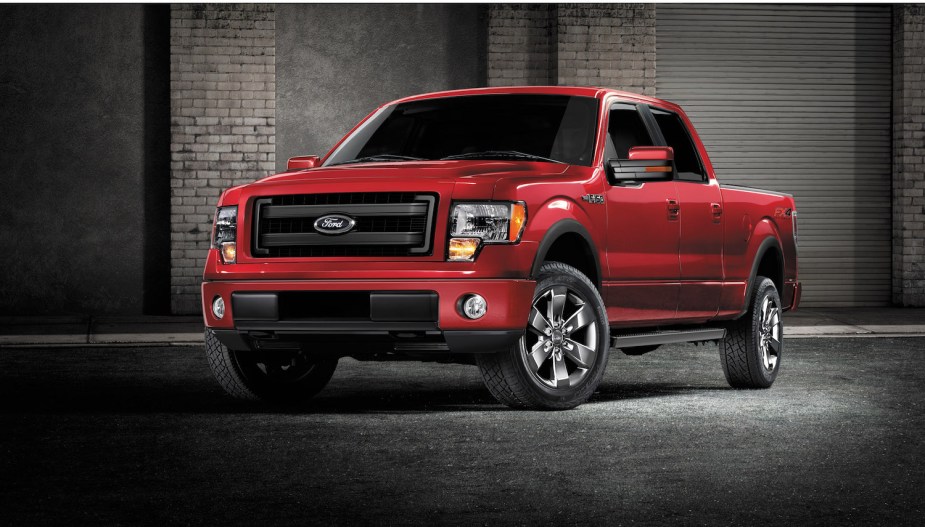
(556, 231)
(768, 243)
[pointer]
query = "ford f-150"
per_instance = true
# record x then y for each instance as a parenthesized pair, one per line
(527, 230)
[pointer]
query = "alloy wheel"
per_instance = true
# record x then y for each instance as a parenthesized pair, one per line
(770, 328)
(560, 345)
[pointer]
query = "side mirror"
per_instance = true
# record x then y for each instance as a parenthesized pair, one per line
(651, 153)
(303, 162)
(645, 163)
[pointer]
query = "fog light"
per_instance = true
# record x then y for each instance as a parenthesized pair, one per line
(229, 252)
(218, 307)
(474, 306)
(463, 249)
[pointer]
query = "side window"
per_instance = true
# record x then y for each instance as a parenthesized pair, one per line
(676, 136)
(625, 129)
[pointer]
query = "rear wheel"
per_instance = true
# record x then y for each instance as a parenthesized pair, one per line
(751, 350)
(277, 376)
(560, 359)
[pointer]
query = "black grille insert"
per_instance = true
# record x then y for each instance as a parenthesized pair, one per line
(387, 224)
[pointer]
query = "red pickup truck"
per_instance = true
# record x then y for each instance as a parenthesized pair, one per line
(527, 230)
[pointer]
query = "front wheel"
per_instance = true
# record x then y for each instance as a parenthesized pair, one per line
(286, 377)
(751, 350)
(560, 360)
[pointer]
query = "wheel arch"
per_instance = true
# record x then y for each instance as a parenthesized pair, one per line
(568, 241)
(769, 262)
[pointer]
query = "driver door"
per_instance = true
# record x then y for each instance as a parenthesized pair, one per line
(643, 232)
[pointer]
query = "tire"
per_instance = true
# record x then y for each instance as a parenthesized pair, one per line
(281, 377)
(751, 349)
(571, 358)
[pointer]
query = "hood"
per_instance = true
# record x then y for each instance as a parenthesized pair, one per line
(484, 172)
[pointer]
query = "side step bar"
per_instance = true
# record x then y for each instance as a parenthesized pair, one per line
(654, 338)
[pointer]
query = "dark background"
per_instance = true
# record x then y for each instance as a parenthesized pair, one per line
(84, 107)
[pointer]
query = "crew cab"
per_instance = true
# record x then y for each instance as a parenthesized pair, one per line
(527, 230)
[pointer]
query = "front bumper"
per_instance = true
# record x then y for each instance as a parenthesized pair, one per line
(284, 310)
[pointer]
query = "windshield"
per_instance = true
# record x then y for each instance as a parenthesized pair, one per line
(556, 128)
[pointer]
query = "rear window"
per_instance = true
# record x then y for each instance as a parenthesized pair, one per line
(676, 136)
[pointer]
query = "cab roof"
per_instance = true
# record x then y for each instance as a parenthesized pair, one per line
(578, 91)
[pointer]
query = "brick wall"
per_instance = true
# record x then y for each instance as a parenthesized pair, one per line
(223, 123)
(608, 45)
(909, 155)
(522, 44)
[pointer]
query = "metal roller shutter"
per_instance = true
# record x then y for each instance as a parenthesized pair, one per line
(796, 99)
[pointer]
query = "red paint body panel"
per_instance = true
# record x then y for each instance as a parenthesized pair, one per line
(701, 251)
(644, 272)
(658, 266)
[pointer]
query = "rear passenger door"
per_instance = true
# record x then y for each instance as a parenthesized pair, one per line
(701, 219)
(642, 233)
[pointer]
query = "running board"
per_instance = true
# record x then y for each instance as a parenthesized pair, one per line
(655, 338)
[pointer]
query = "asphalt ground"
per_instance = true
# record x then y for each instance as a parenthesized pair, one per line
(144, 435)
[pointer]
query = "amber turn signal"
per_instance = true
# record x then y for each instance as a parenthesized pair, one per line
(518, 219)
(229, 252)
(463, 249)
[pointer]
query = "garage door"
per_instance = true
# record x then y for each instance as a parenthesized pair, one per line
(796, 99)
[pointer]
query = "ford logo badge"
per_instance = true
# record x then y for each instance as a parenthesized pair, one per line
(334, 224)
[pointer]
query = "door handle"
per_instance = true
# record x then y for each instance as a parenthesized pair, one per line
(717, 212)
(674, 210)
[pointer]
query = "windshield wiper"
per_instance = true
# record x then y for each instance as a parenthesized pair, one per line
(380, 157)
(501, 154)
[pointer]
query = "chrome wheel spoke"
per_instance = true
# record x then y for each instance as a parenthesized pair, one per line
(539, 354)
(538, 322)
(581, 355)
(774, 345)
(559, 373)
(556, 309)
(580, 319)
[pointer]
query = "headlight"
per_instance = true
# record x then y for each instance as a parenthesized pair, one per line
(472, 224)
(225, 233)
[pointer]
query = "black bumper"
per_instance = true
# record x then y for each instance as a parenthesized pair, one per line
(455, 342)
